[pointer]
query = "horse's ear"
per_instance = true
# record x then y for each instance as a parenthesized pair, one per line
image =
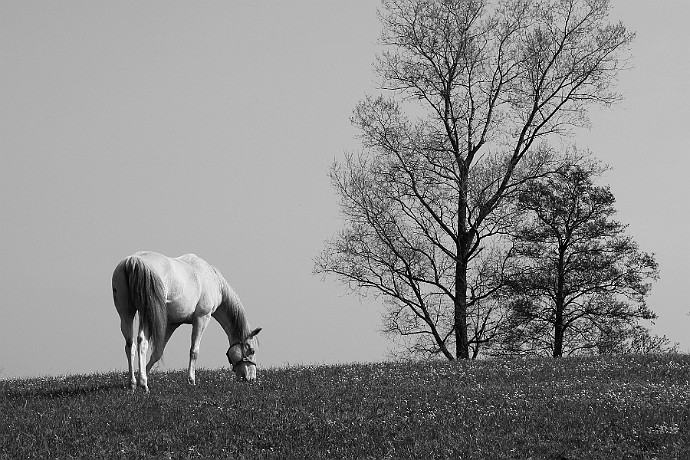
(254, 332)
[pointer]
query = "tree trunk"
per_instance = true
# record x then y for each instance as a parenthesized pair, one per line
(461, 343)
(463, 244)
(558, 336)
(560, 306)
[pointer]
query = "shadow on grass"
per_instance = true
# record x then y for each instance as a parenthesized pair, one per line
(58, 388)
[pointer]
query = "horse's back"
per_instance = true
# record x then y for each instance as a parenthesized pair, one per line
(190, 282)
(202, 267)
(158, 262)
(169, 269)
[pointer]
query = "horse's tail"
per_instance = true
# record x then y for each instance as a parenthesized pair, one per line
(147, 294)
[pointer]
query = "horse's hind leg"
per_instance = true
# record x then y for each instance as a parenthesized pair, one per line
(126, 312)
(143, 349)
(158, 351)
(127, 327)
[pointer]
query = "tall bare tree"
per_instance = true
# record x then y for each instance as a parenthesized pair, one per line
(473, 89)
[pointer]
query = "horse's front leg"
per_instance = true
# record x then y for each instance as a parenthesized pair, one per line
(198, 327)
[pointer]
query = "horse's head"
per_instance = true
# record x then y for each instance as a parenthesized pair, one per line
(241, 357)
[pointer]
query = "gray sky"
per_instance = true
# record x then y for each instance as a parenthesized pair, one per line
(210, 127)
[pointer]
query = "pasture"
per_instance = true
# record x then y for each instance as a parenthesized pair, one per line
(611, 407)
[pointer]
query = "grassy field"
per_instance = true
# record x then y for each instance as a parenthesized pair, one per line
(572, 408)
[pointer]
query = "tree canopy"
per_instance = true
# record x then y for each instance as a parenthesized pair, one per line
(472, 92)
(580, 278)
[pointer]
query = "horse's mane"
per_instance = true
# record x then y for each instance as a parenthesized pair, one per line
(231, 301)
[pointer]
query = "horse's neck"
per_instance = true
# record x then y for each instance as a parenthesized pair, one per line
(223, 319)
(230, 314)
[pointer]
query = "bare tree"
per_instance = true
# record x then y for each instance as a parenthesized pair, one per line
(473, 91)
(582, 281)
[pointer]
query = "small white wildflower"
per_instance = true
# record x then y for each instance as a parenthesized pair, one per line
(663, 428)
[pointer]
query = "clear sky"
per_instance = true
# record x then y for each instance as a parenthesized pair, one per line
(209, 127)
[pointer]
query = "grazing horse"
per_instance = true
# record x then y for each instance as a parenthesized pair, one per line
(168, 292)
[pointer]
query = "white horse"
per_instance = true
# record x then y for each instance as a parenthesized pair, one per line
(167, 292)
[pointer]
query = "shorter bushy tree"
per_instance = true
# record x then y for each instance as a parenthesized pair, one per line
(623, 338)
(579, 273)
